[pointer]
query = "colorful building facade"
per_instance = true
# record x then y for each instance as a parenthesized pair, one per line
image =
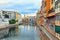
(57, 11)
(50, 19)
(12, 15)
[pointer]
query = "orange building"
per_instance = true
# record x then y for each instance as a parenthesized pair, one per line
(48, 16)
(50, 4)
(42, 12)
(47, 2)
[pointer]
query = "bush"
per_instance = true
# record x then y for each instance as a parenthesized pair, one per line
(13, 21)
(6, 16)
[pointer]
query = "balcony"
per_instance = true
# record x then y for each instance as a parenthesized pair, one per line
(52, 10)
(57, 22)
(51, 13)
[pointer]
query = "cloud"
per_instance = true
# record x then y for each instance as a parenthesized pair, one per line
(18, 1)
(12, 2)
(22, 6)
(31, 14)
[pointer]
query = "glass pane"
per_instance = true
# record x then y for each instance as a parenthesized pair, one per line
(58, 17)
(57, 29)
(52, 27)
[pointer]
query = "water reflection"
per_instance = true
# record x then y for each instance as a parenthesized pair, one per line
(25, 32)
(28, 27)
(35, 27)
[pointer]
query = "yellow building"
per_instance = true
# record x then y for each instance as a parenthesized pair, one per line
(16, 15)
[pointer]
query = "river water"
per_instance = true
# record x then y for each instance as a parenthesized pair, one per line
(25, 32)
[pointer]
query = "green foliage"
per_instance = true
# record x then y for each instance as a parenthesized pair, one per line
(6, 16)
(13, 21)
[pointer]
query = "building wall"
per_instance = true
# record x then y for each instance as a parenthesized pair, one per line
(0, 14)
(50, 16)
(47, 6)
(11, 14)
(16, 15)
(19, 18)
(50, 4)
(57, 22)
(52, 19)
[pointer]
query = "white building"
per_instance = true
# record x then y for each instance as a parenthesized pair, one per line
(19, 18)
(11, 15)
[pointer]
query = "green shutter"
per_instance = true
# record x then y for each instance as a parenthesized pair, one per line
(57, 29)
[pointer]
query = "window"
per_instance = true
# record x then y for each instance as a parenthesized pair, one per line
(52, 1)
(52, 27)
(57, 29)
(51, 10)
(59, 6)
(44, 11)
(45, 3)
(47, 23)
(3, 12)
(58, 17)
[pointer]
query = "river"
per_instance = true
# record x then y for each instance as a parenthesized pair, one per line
(25, 32)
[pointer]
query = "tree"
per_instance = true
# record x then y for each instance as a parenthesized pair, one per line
(6, 16)
(12, 21)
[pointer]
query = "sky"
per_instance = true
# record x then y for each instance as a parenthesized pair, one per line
(22, 6)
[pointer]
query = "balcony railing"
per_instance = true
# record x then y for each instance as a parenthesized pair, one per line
(52, 10)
